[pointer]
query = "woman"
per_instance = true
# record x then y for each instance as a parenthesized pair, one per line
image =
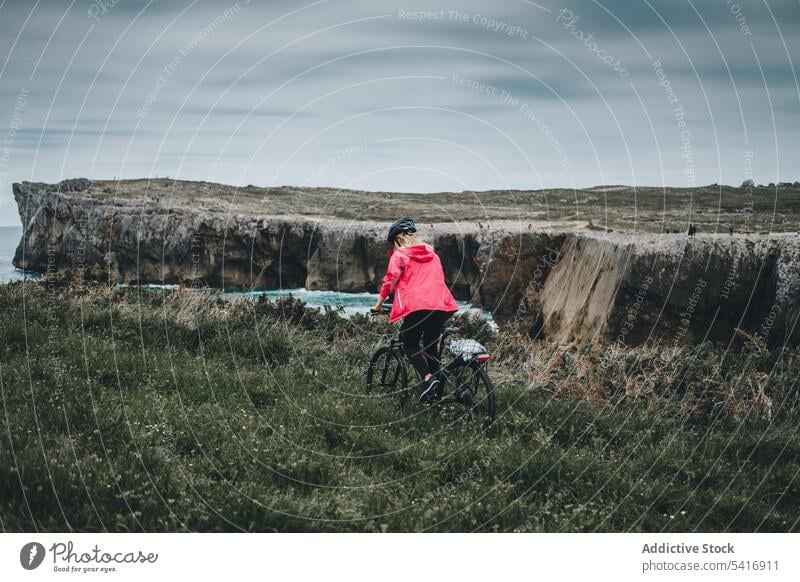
(421, 299)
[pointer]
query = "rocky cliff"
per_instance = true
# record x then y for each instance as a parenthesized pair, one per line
(567, 284)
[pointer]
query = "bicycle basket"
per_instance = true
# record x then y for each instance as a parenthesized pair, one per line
(466, 349)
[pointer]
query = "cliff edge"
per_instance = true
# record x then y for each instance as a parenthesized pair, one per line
(565, 282)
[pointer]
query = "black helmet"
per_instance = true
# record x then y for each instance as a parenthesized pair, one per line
(404, 225)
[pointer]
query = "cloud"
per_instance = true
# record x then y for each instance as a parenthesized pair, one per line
(264, 92)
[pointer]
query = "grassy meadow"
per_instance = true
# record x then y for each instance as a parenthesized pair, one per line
(186, 411)
(643, 209)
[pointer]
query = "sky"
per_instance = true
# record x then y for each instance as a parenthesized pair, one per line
(422, 96)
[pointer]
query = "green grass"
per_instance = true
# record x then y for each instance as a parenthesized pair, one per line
(647, 209)
(186, 412)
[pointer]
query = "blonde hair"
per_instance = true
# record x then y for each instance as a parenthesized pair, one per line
(407, 239)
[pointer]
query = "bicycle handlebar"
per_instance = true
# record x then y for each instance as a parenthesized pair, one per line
(385, 308)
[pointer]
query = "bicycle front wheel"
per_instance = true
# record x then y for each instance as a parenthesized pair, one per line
(387, 375)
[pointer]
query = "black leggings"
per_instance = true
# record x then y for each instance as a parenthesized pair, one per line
(426, 326)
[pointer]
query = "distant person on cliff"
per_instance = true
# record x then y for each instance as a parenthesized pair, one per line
(421, 299)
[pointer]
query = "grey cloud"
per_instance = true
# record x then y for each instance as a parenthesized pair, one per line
(385, 92)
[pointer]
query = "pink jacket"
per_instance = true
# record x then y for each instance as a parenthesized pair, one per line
(416, 277)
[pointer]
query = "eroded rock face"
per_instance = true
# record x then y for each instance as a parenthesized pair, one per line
(637, 288)
(573, 286)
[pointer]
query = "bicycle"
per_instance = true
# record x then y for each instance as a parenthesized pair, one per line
(464, 380)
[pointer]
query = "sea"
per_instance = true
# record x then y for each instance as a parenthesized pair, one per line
(349, 303)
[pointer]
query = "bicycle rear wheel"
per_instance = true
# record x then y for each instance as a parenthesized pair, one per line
(474, 390)
(387, 375)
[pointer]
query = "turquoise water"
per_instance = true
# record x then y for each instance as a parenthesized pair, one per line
(350, 302)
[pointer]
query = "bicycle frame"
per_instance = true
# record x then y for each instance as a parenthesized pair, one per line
(444, 369)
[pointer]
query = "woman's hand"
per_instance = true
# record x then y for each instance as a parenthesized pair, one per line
(378, 305)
